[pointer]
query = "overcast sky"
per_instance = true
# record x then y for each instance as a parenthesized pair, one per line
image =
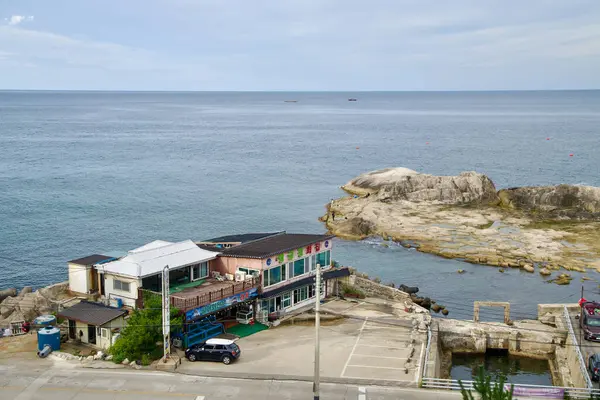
(300, 44)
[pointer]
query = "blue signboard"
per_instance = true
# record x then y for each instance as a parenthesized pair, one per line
(220, 304)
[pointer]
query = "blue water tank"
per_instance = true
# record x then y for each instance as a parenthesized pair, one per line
(49, 335)
(119, 303)
(45, 320)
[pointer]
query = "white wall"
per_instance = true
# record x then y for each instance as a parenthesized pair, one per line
(79, 278)
(127, 297)
(105, 343)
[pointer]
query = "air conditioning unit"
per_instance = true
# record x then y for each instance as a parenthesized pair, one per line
(240, 276)
(229, 277)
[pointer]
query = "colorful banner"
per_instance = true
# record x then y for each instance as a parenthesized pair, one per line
(220, 304)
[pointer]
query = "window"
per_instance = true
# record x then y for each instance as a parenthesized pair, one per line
(275, 275)
(249, 272)
(220, 347)
(299, 267)
(300, 294)
(120, 285)
(311, 291)
(199, 271)
(287, 300)
(98, 331)
(324, 258)
(209, 347)
(104, 332)
(313, 262)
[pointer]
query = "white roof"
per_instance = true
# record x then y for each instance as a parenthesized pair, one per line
(225, 342)
(151, 258)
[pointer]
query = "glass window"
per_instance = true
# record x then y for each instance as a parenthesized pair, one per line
(313, 262)
(120, 285)
(299, 267)
(209, 347)
(287, 300)
(220, 347)
(311, 291)
(324, 258)
(204, 269)
(274, 275)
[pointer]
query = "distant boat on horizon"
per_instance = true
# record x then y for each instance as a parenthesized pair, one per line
(351, 99)
(290, 101)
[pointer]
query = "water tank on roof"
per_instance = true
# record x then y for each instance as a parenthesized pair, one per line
(45, 320)
(49, 335)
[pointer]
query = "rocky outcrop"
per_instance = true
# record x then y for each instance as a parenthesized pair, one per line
(395, 184)
(561, 201)
(28, 305)
(464, 217)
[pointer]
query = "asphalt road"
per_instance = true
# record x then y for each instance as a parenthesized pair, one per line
(587, 347)
(43, 379)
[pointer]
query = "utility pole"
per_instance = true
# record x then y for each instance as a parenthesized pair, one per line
(581, 323)
(166, 314)
(317, 326)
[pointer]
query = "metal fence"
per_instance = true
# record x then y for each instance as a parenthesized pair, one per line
(577, 350)
(427, 350)
(518, 389)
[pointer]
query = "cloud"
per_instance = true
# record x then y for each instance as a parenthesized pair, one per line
(17, 19)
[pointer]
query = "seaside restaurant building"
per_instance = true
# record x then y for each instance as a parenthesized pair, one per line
(286, 264)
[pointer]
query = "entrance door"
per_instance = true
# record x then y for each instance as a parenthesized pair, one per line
(101, 277)
(72, 329)
(91, 334)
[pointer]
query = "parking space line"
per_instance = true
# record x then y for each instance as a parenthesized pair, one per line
(368, 366)
(354, 348)
(386, 347)
(369, 355)
(362, 393)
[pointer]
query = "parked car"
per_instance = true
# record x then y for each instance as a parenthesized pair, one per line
(223, 350)
(590, 320)
(594, 366)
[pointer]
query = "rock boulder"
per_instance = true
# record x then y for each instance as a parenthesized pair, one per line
(393, 184)
(573, 201)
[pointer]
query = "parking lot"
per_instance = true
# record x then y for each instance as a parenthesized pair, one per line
(350, 348)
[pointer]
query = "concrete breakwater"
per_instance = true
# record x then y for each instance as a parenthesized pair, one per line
(464, 217)
(546, 338)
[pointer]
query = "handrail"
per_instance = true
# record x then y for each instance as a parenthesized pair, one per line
(186, 303)
(452, 384)
(427, 349)
(577, 350)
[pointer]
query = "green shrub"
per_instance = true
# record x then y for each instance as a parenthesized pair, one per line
(146, 359)
(118, 358)
(353, 290)
(143, 331)
(485, 389)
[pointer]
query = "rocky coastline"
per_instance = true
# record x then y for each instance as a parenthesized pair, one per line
(465, 217)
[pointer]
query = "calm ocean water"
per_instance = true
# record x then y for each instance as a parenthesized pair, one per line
(93, 172)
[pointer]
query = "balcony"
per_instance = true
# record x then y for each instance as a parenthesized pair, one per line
(208, 291)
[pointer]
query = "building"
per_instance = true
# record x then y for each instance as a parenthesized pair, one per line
(94, 323)
(223, 242)
(82, 274)
(142, 268)
(285, 264)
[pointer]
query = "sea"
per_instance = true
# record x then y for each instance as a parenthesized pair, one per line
(105, 172)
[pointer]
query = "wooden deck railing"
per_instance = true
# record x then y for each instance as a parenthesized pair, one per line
(188, 303)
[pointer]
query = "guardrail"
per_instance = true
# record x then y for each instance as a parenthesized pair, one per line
(518, 389)
(577, 350)
(427, 349)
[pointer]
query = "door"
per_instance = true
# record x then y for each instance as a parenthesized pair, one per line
(72, 330)
(209, 352)
(92, 334)
(101, 284)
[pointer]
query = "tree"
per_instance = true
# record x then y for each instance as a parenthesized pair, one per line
(143, 331)
(486, 390)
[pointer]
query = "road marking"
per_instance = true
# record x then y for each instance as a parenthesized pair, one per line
(31, 390)
(392, 380)
(368, 355)
(385, 347)
(354, 348)
(362, 395)
(368, 366)
(362, 389)
(199, 397)
(120, 391)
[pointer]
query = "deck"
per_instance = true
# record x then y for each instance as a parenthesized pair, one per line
(208, 291)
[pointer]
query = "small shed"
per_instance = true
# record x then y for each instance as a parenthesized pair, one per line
(94, 323)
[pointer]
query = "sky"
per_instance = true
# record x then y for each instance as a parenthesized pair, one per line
(306, 45)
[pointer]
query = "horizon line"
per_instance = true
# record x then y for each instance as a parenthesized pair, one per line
(295, 91)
